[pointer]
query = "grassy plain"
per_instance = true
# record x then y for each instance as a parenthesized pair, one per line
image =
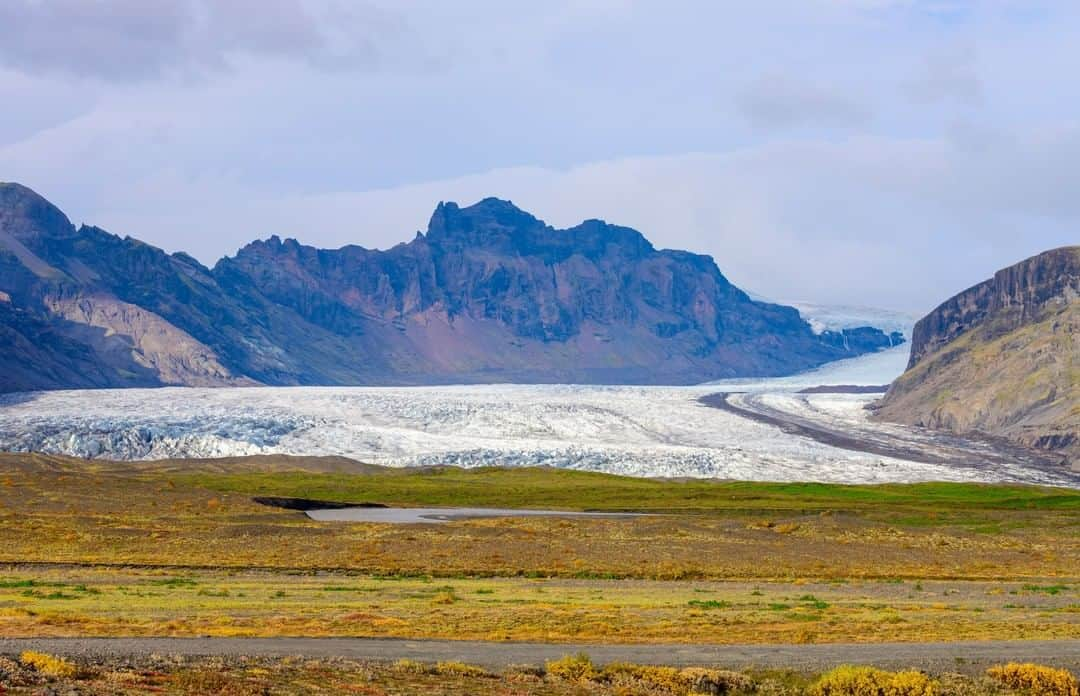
(104, 601)
(179, 548)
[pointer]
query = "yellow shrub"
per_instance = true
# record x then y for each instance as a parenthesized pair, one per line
(868, 681)
(460, 669)
(572, 668)
(912, 683)
(1038, 680)
(850, 681)
(48, 665)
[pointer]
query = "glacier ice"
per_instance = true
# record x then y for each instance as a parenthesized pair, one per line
(641, 431)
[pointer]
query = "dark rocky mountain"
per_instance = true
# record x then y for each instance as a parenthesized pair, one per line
(489, 293)
(1002, 358)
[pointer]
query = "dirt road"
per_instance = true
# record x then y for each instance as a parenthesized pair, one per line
(961, 656)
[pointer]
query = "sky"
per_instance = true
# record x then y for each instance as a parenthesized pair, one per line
(876, 152)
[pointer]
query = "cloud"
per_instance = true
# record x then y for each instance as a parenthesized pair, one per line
(950, 76)
(894, 222)
(135, 40)
(31, 107)
(879, 151)
(779, 101)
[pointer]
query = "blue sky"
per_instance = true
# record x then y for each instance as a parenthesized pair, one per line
(876, 152)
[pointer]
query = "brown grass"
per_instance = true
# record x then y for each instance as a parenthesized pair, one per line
(75, 601)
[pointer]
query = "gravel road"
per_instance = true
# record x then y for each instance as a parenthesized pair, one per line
(959, 656)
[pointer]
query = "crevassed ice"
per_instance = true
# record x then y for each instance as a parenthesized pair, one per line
(641, 431)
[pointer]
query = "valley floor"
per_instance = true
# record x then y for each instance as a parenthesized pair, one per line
(180, 548)
(70, 601)
(176, 556)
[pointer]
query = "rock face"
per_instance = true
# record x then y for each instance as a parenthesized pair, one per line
(81, 307)
(1001, 358)
(489, 293)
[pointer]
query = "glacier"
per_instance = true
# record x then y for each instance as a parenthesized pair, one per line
(639, 431)
(837, 317)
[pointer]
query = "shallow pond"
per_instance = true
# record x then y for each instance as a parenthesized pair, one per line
(440, 515)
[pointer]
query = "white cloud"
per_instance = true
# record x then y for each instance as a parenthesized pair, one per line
(946, 76)
(778, 101)
(898, 223)
(125, 40)
(874, 151)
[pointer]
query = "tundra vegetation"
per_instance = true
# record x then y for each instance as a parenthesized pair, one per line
(573, 675)
(180, 548)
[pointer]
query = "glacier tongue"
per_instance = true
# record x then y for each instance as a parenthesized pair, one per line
(641, 431)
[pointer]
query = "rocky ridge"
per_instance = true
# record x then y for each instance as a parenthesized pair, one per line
(489, 293)
(1001, 358)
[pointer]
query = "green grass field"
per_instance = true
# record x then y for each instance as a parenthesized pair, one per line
(577, 490)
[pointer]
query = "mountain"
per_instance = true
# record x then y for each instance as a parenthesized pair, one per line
(488, 294)
(1001, 358)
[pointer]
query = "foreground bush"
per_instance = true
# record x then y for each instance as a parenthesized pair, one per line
(868, 681)
(572, 668)
(48, 665)
(1037, 680)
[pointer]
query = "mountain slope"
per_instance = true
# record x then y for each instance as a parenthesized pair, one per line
(1001, 358)
(489, 293)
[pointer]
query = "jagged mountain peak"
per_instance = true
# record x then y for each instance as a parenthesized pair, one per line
(490, 207)
(498, 225)
(13, 188)
(11, 192)
(274, 244)
(491, 222)
(26, 215)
